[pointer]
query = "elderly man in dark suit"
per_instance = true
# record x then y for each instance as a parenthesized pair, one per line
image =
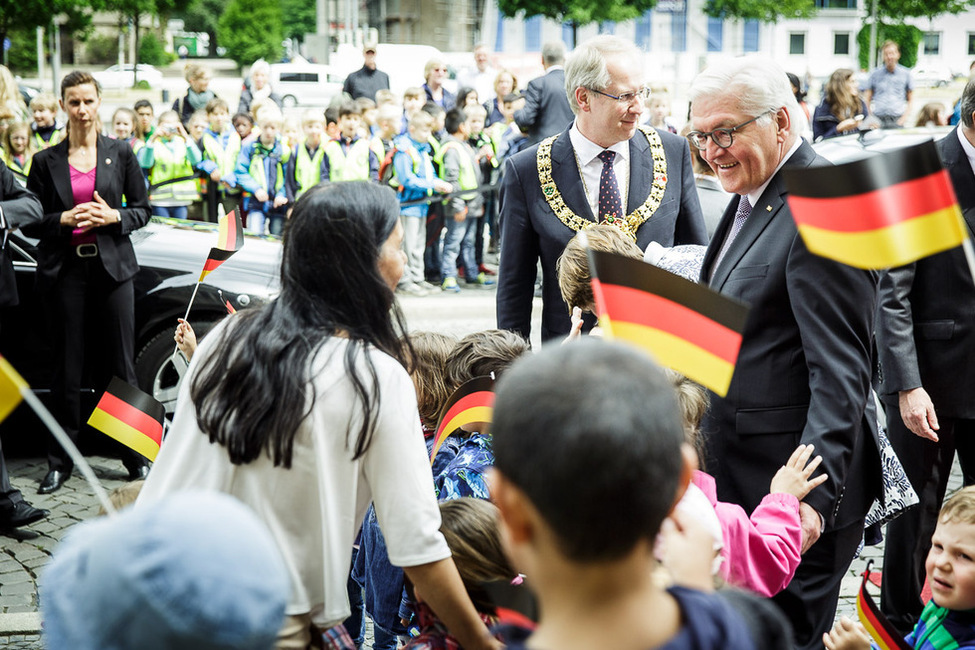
(17, 207)
(587, 174)
(926, 338)
(803, 372)
(546, 111)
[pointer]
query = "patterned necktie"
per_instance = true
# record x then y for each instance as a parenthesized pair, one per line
(744, 209)
(610, 204)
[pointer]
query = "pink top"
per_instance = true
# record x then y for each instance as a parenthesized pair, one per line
(83, 191)
(761, 552)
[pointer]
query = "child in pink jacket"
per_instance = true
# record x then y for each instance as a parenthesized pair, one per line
(759, 552)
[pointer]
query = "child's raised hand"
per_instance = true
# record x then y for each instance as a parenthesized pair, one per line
(793, 477)
(575, 329)
(847, 635)
(185, 339)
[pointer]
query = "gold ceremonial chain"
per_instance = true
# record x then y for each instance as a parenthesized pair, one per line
(635, 219)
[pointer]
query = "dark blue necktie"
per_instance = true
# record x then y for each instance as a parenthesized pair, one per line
(610, 204)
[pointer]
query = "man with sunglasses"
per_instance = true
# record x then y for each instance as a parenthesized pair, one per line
(804, 367)
(604, 168)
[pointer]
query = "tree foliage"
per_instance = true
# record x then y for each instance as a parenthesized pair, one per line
(897, 9)
(907, 37)
(251, 30)
(298, 18)
(766, 11)
(26, 15)
(203, 16)
(578, 12)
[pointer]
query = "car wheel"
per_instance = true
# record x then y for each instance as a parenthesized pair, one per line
(159, 371)
(289, 101)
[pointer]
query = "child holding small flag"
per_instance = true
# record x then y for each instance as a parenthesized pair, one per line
(946, 621)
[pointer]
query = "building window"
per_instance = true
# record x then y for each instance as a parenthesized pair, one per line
(607, 27)
(533, 34)
(797, 43)
(750, 41)
(715, 33)
(643, 30)
(932, 43)
(567, 36)
(836, 4)
(841, 43)
(678, 31)
(971, 43)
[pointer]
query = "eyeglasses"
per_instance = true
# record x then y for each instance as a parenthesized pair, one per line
(626, 98)
(721, 137)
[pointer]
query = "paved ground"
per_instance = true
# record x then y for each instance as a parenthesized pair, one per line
(24, 553)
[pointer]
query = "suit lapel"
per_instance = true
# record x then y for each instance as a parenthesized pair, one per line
(641, 172)
(962, 178)
(61, 175)
(768, 206)
(717, 240)
(107, 168)
(565, 173)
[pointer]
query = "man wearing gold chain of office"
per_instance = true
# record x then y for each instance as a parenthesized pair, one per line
(586, 175)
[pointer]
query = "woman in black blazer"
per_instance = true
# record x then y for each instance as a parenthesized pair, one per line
(85, 260)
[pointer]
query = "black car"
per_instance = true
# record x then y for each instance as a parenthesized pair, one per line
(171, 253)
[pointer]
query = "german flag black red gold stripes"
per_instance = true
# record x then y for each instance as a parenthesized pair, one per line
(473, 401)
(230, 232)
(874, 621)
(686, 326)
(131, 417)
(879, 212)
(216, 257)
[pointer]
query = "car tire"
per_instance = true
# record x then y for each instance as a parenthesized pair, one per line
(289, 101)
(159, 371)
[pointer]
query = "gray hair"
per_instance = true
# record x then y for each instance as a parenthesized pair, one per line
(968, 104)
(553, 53)
(261, 65)
(586, 66)
(758, 84)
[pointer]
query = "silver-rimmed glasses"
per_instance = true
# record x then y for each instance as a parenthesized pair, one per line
(723, 138)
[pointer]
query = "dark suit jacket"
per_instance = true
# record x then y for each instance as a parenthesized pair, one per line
(546, 111)
(117, 174)
(20, 208)
(926, 321)
(803, 372)
(530, 230)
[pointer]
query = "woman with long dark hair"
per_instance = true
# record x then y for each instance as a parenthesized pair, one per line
(303, 410)
(86, 262)
(841, 111)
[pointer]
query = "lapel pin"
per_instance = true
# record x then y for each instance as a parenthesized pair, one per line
(108, 161)
(768, 208)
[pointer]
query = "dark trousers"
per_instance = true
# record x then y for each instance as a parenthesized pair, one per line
(928, 465)
(809, 602)
(88, 309)
(433, 252)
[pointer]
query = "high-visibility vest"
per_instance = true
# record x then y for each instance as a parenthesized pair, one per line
(468, 174)
(308, 168)
(171, 160)
(40, 143)
(276, 158)
(348, 166)
(225, 157)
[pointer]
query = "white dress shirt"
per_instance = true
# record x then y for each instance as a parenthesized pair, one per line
(591, 167)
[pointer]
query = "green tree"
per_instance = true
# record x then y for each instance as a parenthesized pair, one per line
(298, 18)
(204, 16)
(578, 12)
(907, 37)
(897, 9)
(25, 16)
(251, 30)
(766, 11)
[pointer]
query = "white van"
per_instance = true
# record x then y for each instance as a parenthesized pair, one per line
(304, 84)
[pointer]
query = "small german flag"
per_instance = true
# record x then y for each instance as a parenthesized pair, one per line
(473, 401)
(231, 232)
(131, 417)
(12, 387)
(685, 325)
(874, 621)
(879, 212)
(216, 257)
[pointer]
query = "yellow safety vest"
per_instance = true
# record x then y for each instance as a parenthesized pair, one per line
(468, 174)
(351, 166)
(308, 169)
(171, 163)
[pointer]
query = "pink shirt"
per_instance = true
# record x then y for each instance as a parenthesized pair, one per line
(83, 191)
(761, 552)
